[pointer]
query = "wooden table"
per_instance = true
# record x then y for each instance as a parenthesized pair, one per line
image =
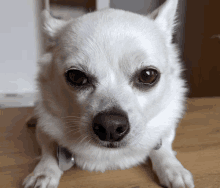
(197, 144)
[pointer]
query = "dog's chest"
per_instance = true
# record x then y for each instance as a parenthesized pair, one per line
(111, 162)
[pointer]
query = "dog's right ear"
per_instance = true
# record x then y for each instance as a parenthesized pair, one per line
(51, 27)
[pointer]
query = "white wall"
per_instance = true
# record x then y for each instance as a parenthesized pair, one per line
(137, 6)
(100, 4)
(18, 46)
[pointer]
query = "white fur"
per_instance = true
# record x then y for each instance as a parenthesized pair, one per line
(111, 44)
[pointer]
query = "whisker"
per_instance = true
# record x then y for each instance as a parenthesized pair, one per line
(78, 143)
(72, 122)
(72, 133)
(89, 141)
(72, 125)
(136, 141)
(77, 122)
(71, 118)
(83, 139)
(77, 117)
(74, 128)
(79, 138)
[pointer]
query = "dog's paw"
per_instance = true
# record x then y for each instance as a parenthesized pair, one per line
(174, 176)
(42, 179)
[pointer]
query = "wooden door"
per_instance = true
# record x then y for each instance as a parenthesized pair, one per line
(201, 51)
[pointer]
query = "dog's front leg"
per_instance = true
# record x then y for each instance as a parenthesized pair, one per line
(169, 170)
(47, 173)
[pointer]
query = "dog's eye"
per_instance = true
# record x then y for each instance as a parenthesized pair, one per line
(148, 76)
(76, 77)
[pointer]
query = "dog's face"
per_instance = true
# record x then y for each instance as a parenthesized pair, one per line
(111, 82)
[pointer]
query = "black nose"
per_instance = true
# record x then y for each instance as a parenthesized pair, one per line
(111, 125)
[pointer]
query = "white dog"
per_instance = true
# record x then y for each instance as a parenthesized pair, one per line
(110, 90)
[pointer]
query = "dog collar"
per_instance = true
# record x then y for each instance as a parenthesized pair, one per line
(158, 146)
(65, 159)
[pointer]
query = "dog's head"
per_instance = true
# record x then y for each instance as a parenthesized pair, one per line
(111, 80)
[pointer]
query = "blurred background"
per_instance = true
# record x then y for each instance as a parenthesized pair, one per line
(22, 44)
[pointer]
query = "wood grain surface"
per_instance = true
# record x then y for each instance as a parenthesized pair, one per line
(197, 144)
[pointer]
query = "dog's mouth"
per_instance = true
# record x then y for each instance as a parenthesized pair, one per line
(107, 144)
(111, 145)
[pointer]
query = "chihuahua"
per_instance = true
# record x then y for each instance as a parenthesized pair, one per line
(111, 94)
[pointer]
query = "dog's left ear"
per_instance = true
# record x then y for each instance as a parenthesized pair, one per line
(165, 17)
